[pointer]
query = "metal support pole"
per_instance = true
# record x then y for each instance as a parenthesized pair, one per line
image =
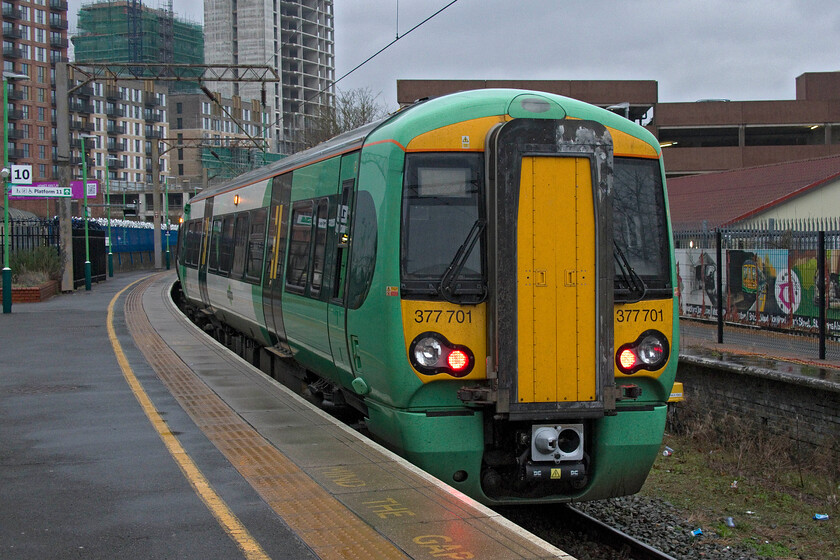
(108, 198)
(156, 200)
(823, 293)
(7, 270)
(85, 195)
(719, 286)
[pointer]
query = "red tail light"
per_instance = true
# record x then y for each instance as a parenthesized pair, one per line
(458, 360)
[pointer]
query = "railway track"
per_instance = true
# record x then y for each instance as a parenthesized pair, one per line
(607, 535)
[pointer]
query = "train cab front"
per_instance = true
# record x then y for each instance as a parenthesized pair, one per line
(537, 304)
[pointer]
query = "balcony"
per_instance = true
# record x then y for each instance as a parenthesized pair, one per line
(114, 112)
(16, 134)
(15, 114)
(153, 134)
(16, 95)
(82, 91)
(58, 23)
(55, 57)
(115, 146)
(116, 128)
(150, 99)
(59, 42)
(152, 116)
(112, 93)
(11, 52)
(15, 154)
(9, 32)
(81, 107)
(58, 5)
(115, 163)
(10, 12)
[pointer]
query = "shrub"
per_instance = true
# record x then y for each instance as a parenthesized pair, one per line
(31, 268)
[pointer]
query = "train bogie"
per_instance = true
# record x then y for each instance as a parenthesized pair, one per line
(486, 276)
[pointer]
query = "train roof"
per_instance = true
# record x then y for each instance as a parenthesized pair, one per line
(434, 113)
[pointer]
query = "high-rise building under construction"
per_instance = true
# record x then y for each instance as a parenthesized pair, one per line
(126, 31)
(293, 36)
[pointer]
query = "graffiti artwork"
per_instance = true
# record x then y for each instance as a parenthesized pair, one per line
(775, 288)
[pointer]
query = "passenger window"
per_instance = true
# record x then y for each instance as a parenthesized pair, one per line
(226, 246)
(297, 271)
(240, 244)
(320, 247)
(256, 244)
(213, 261)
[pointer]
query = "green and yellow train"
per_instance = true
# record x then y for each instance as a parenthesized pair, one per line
(487, 276)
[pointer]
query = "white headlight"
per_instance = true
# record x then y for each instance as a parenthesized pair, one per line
(427, 352)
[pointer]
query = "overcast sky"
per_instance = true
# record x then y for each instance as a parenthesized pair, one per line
(699, 49)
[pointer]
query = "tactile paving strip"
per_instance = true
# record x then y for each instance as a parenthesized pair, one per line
(321, 521)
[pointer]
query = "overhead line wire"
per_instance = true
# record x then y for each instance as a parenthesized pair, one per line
(377, 53)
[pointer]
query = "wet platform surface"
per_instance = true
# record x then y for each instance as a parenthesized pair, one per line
(127, 433)
(784, 357)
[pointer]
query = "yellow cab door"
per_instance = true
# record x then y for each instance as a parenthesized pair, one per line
(556, 285)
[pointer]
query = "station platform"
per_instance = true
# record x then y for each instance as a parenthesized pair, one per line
(125, 432)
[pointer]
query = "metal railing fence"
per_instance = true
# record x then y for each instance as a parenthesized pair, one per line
(778, 277)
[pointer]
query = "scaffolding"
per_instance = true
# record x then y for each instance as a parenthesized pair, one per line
(126, 31)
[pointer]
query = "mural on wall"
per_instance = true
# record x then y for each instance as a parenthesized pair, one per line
(696, 279)
(774, 288)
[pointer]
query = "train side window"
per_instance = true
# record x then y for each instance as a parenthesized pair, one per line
(215, 244)
(226, 246)
(193, 243)
(256, 245)
(342, 230)
(363, 252)
(240, 244)
(320, 223)
(297, 270)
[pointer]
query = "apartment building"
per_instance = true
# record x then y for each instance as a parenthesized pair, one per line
(295, 37)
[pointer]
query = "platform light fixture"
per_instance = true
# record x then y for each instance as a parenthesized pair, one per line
(6, 173)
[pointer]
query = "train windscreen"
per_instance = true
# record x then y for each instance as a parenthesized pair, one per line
(442, 225)
(642, 262)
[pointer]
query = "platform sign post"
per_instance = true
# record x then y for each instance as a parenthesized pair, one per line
(4, 181)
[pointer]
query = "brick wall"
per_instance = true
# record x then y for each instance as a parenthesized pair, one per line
(804, 408)
(36, 293)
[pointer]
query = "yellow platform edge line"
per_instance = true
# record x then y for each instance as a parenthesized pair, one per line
(217, 506)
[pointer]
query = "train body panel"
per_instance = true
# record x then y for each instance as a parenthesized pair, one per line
(488, 275)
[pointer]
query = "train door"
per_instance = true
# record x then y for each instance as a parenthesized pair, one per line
(275, 253)
(205, 248)
(337, 310)
(555, 277)
(549, 209)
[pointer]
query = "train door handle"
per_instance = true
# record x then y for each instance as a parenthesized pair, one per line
(570, 277)
(540, 278)
(354, 350)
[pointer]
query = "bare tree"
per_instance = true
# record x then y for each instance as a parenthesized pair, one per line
(353, 108)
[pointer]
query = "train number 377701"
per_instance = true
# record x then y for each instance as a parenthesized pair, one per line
(442, 316)
(635, 315)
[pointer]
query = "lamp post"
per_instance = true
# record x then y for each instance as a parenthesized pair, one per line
(108, 199)
(166, 211)
(85, 195)
(7, 270)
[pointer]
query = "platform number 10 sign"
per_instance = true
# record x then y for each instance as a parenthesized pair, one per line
(21, 174)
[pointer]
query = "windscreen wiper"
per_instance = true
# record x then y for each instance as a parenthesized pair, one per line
(634, 282)
(447, 282)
